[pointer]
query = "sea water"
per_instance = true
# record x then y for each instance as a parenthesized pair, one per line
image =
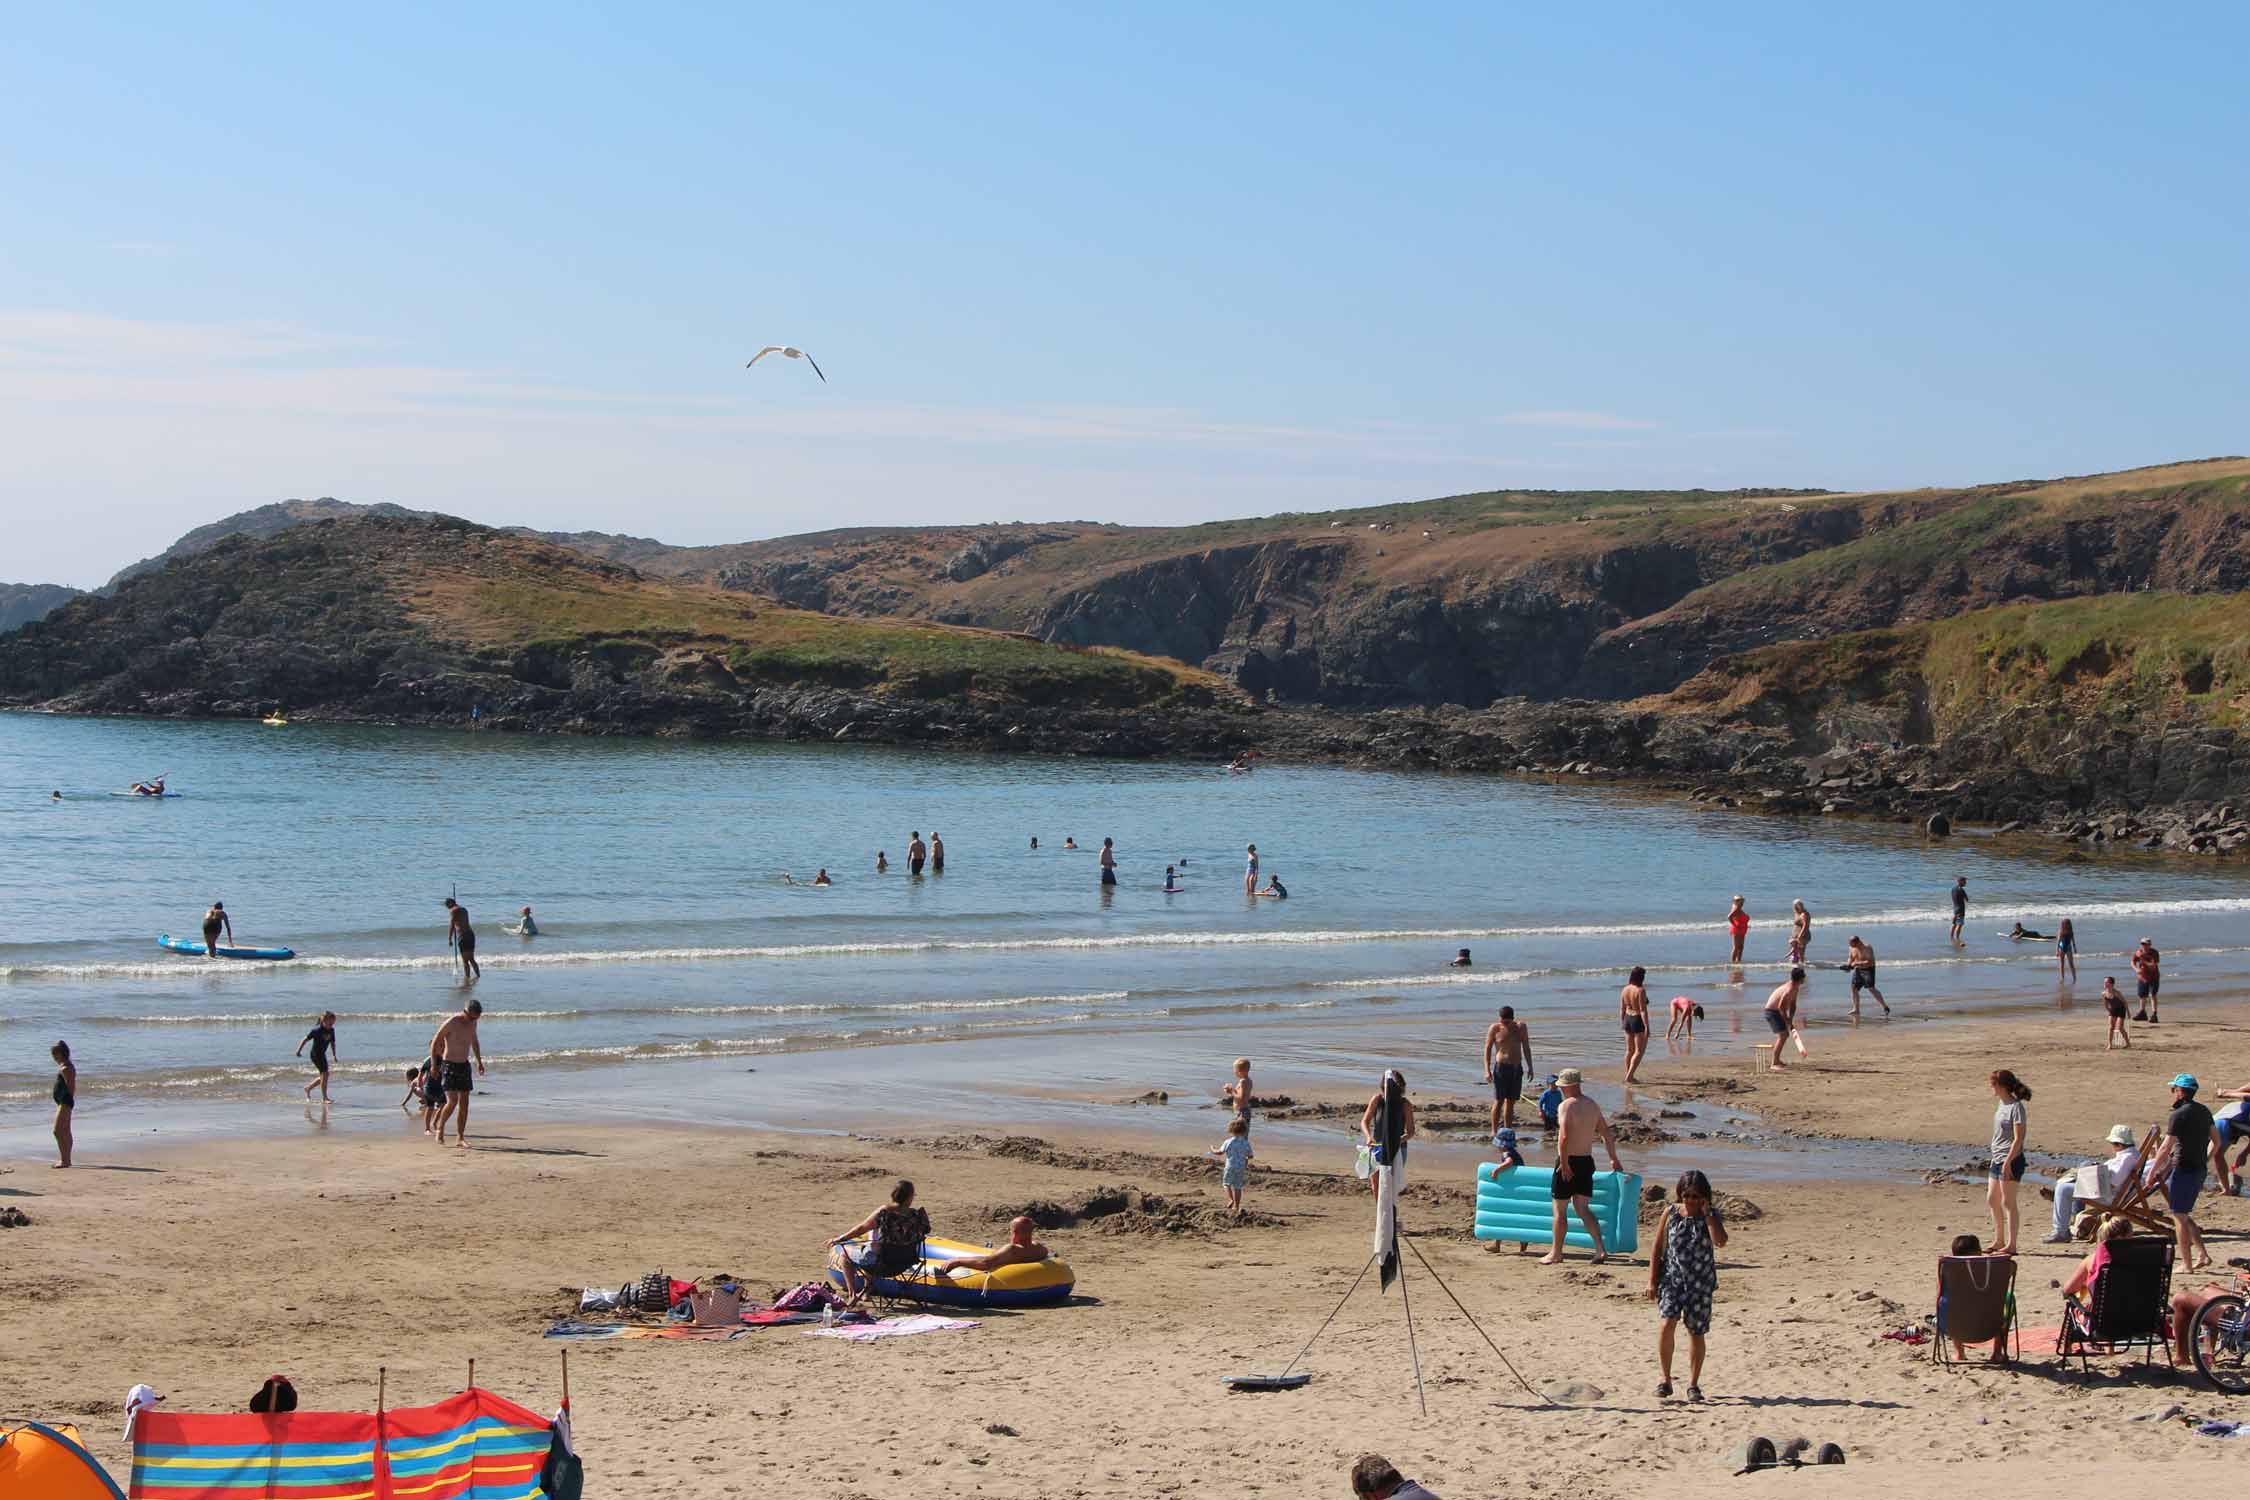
(677, 976)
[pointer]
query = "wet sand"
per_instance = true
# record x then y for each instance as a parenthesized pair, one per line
(203, 1267)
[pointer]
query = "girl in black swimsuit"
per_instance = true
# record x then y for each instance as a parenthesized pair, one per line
(66, 1098)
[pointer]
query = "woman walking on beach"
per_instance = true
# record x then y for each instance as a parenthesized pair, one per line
(2011, 1125)
(66, 1099)
(1683, 1272)
(2066, 951)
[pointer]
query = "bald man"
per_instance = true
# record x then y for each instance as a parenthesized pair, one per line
(1021, 1250)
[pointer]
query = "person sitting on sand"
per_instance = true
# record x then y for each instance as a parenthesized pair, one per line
(1966, 1245)
(2121, 1165)
(2113, 1006)
(1373, 1478)
(1685, 1013)
(1021, 1250)
(820, 877)
(1581, 1124)
(895, 1233)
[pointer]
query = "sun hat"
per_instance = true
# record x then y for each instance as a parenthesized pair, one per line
(2120, 1135)
(2185, 1081)
(1569, 1077)
(1504, 1136)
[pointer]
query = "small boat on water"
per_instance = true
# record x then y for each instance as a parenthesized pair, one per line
(276, 720)
(195, 946)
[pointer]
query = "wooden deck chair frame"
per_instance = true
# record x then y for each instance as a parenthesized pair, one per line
(2133, 1202)
(2086, 1331)
(1977, 1277)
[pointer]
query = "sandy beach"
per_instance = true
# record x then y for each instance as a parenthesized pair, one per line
(203, 1268)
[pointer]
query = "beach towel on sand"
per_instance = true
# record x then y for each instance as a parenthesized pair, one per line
(891, 1328)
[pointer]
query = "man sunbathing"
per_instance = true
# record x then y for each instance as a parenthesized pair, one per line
(1021, 1250)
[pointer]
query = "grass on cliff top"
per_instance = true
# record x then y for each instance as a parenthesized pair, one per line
(2116, 657)
(765, 643)
(2112, 656)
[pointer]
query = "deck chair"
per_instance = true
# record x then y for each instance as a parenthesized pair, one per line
(2126, 1307)
(1976, 1304)
(2137, 1201)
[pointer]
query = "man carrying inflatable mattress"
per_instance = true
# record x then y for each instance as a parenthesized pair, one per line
(1532, 1207)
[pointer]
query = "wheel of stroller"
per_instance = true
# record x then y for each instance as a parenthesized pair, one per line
(2220, 1339)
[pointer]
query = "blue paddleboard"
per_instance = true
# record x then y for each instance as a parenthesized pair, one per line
(195, 946)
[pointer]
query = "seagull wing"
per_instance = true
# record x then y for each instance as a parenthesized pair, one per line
(816, 368)
(762, 353)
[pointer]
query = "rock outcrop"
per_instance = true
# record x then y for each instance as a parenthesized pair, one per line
(22, 603)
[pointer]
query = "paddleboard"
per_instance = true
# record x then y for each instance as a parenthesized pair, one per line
(147, 796)
(195, 946)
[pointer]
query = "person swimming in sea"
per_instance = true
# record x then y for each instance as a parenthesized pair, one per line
(821, 878)
(1460, 960)
(1069, 842)
(2023, 934)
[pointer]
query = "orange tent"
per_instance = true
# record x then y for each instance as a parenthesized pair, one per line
(38, 1462)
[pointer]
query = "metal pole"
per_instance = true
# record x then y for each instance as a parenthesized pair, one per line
(1412, 1352)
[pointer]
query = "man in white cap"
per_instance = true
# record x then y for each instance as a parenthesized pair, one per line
(2117, 1172)
(1579, 1123)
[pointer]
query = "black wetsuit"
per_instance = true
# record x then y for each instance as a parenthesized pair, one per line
(322, 1038)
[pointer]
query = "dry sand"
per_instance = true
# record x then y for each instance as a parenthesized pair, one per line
(204, 1268)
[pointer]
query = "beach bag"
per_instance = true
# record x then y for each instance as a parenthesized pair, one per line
(2092, 1183)
(1363, 1163)
(716, 1306)
(653, 1293)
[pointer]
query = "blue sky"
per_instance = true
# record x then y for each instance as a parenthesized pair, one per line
(1160, 265)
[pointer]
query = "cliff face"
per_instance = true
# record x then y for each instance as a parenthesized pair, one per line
(21, 603)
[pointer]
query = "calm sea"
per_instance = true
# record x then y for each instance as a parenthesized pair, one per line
(677, 976)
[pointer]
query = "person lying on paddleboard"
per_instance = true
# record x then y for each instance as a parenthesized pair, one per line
(2022, 933)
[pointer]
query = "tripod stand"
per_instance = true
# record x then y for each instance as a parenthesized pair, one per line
(1412, 1349)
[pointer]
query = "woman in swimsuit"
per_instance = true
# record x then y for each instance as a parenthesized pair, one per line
(2066, 951)
(1685, 1013)
(66, 1098)
(1374, 1123)
(1632, 1010)
(1800, 933)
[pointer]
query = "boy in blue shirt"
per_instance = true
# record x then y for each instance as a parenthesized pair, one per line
(1550, 1103)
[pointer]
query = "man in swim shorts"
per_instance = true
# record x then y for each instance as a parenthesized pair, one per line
(1022, 1249)
(323, 1039)
(937, 853)
(1960, 908)
(916, 852)
(2148, 969)
(1507, 1057)
(1582, 1123)
(1859, 957)
(213, 920)
(1109, 863)
(1738, 928)
(1632, 1011)
(455, 1043)
(464, 938)
(1781, 1013)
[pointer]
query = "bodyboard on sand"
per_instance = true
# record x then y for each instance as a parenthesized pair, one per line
(1265, 1382)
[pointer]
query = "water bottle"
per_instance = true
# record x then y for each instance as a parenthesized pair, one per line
(828, 1314)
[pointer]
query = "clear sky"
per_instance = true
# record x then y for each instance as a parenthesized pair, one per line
(1165, 264)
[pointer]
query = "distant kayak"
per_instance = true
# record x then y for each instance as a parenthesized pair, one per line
(195, 946)
(277, 722)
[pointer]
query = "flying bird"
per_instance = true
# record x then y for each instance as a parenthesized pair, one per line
(788, 353)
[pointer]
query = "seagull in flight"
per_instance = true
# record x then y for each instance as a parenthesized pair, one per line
(788, 353)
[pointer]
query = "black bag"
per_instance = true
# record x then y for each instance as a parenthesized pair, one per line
(654, 1294)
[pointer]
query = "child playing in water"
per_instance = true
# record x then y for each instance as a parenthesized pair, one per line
(1235, 1153)
(413, 1095)
(1550, 1103)
(1171, 878)
(1237, 1093)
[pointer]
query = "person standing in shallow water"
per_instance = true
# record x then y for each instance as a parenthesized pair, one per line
(1738, 928)
(937, 853)
(1632, 1010)
(464, 938)
(1250, 875)
(1109, 864)
(66, 1099)
(916, 852)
